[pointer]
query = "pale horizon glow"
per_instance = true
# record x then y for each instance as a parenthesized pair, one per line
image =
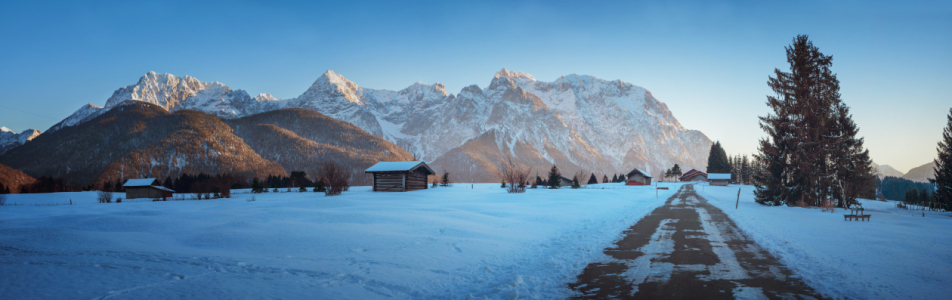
(708, 61)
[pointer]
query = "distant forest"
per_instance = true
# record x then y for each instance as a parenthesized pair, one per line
(894, 188)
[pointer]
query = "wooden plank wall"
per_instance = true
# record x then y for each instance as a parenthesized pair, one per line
(417, 180)
(388, 182)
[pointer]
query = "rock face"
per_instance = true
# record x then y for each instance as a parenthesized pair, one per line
(580, 123)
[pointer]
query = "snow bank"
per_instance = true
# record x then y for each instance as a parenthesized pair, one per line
(445, 243)
(898, 254)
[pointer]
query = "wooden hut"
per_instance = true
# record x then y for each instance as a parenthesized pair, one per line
(719, 178)
(146, 188)
(638, 177)
(693, 175)
(399, 176)
(566, 182)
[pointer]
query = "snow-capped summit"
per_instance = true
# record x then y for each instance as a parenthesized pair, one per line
(9, 139)
(513, 74)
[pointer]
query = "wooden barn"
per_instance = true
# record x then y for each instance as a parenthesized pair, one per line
(146, 188)
(638, 177)
(693, 175)
(719, 178)
(399, 176)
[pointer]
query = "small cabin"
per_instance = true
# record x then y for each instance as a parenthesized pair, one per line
(399, 176)
(638, 177)
(722, 179)
(146, 188)
(693, 175)
(565, 181)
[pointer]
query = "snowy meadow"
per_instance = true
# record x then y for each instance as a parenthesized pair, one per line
(445, 243)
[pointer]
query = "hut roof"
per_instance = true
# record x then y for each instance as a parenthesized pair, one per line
(719, 176)
(399, 166)
(139, 182)
(639, 171)
(691, 173)
(159, 187)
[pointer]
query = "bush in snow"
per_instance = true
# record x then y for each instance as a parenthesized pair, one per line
(335, 176)
(104, 197)
(445, 179)
(516, 176)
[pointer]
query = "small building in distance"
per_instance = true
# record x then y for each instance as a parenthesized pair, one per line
(399, 176)
(719, 178)
(566, 182)
(146, 188)
(693, 175)
(638, 177)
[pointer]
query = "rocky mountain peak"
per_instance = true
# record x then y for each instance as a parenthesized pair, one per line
(513, 74)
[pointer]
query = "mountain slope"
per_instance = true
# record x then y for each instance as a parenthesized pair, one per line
(921, 173)
(577, 122)
(12, 178)
(135, 140)
(886, 170)
(302, 140)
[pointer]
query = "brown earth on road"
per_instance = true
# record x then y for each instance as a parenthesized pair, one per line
(688, 249)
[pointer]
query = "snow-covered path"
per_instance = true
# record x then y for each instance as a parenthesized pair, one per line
(443, 243)
(688, 249)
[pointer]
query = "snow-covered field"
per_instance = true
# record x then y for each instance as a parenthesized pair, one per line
(443, 243)
(898, 254)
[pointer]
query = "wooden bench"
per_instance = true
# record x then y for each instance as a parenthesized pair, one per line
(662, 188)
(855, 216)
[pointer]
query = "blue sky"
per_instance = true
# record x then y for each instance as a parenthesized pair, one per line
(707, 60)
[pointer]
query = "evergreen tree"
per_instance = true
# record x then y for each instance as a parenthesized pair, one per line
(555, 178)
(942, 172)
(593, 179)
(605, 178)
(614, 178)
(446, 179)
(3, 189)
(923, 196)
(256, 186)
(621, 178)
(912, 196)
(676, 171)
(538, 181)
(503, 183)
(811, 151)
(717, 161)
(575, 183)
(168, 182)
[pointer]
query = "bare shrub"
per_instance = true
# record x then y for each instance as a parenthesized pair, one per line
(104, 197)
(517, 177)
(335, 177)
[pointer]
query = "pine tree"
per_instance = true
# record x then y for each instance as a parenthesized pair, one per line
(256, 186)
(593, 179)
(676, 171)
(575, 183)
(614, 178)
(555, 178)
(811, 152)
(717, 161)
(912, 196)
(923, 196)
(3, 189)
(942, 172)
(446, 179)
(621, 178)
(605, 178)
(538, 181)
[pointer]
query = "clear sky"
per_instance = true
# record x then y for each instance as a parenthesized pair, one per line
(707, 60)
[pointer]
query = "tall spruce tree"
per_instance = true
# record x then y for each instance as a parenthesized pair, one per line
(614, 178)
(605, 178)
(811, 151)
(942, 172)
(555, 178)
(717, 161)
(593, 179)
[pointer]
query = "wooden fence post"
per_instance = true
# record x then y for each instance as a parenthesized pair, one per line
(738, 199)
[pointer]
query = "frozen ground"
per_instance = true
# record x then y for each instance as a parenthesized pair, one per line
(444, 243)
(898, 254)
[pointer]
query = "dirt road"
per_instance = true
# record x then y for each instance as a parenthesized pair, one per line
(688, 249)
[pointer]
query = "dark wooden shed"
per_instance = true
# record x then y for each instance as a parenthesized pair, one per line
(638, 177)
(399, 176)
(146, 188)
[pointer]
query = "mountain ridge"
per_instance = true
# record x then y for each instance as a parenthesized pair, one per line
(579, 122)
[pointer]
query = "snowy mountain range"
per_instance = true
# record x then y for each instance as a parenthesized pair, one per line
(578, 122)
